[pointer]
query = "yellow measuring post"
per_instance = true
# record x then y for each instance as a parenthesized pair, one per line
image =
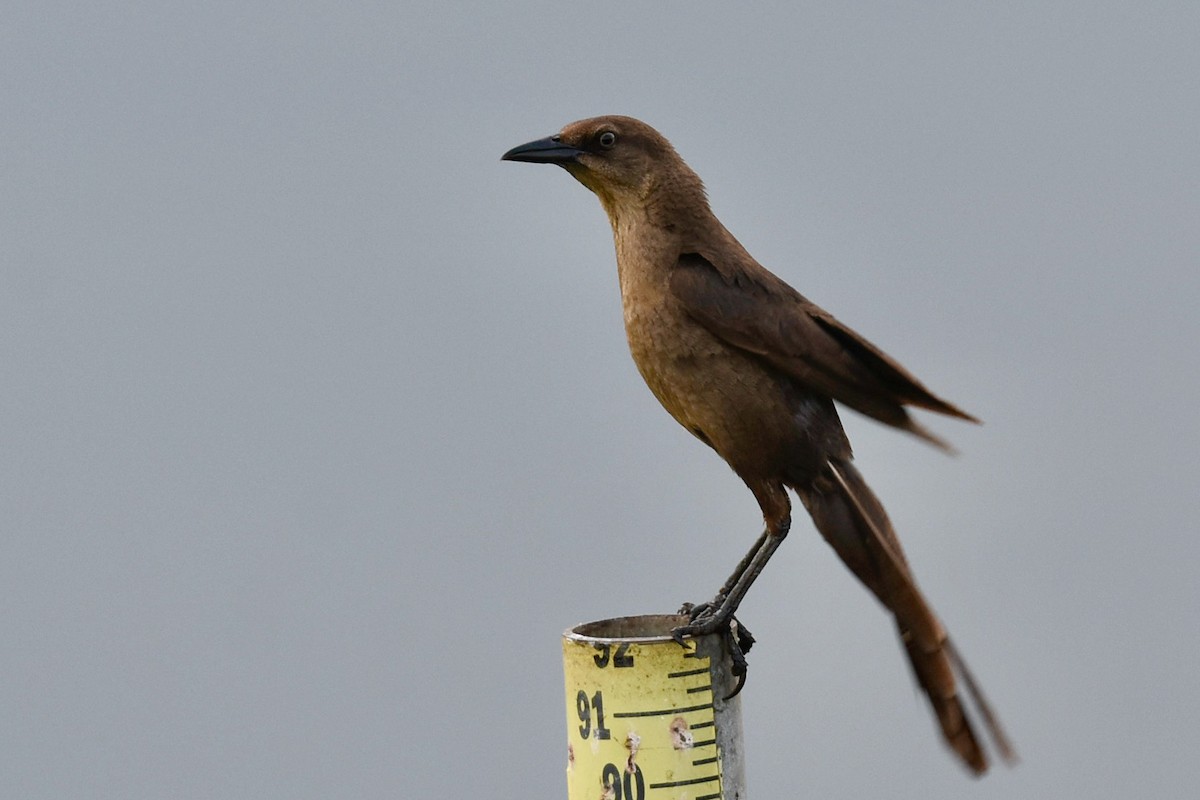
(648, 719)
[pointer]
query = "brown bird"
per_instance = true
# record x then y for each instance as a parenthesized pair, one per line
(752, 369)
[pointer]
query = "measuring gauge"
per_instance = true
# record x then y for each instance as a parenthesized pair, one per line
(647, 719)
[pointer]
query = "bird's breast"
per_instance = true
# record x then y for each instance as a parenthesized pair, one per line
(668, 347)
(720, 394)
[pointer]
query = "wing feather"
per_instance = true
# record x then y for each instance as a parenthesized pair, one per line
(751, 309)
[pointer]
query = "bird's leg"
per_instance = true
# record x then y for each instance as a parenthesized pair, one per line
(709, 617)
(777, 514)
(700, 609)
(718, 615)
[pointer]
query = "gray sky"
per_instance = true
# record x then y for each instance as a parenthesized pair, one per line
(318, 425)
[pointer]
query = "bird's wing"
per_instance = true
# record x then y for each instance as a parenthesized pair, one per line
(751, 309)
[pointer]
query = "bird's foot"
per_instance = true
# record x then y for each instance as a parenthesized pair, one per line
(704, 620)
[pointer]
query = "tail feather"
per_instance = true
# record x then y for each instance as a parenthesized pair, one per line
(936, 677)
(853, 521)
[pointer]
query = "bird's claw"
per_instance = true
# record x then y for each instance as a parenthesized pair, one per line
(738, 639)
(692, 611)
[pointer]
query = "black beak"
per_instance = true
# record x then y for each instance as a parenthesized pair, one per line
(543, 151)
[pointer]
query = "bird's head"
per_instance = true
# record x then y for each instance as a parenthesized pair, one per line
(623, 160)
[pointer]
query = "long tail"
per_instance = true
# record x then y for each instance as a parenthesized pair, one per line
(853, 521)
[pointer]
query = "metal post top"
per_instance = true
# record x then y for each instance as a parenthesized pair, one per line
(647, 718)
(644, 628)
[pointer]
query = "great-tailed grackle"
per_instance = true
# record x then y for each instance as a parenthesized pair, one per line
(752, 369)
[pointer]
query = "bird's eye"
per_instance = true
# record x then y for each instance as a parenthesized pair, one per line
(607, 140)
